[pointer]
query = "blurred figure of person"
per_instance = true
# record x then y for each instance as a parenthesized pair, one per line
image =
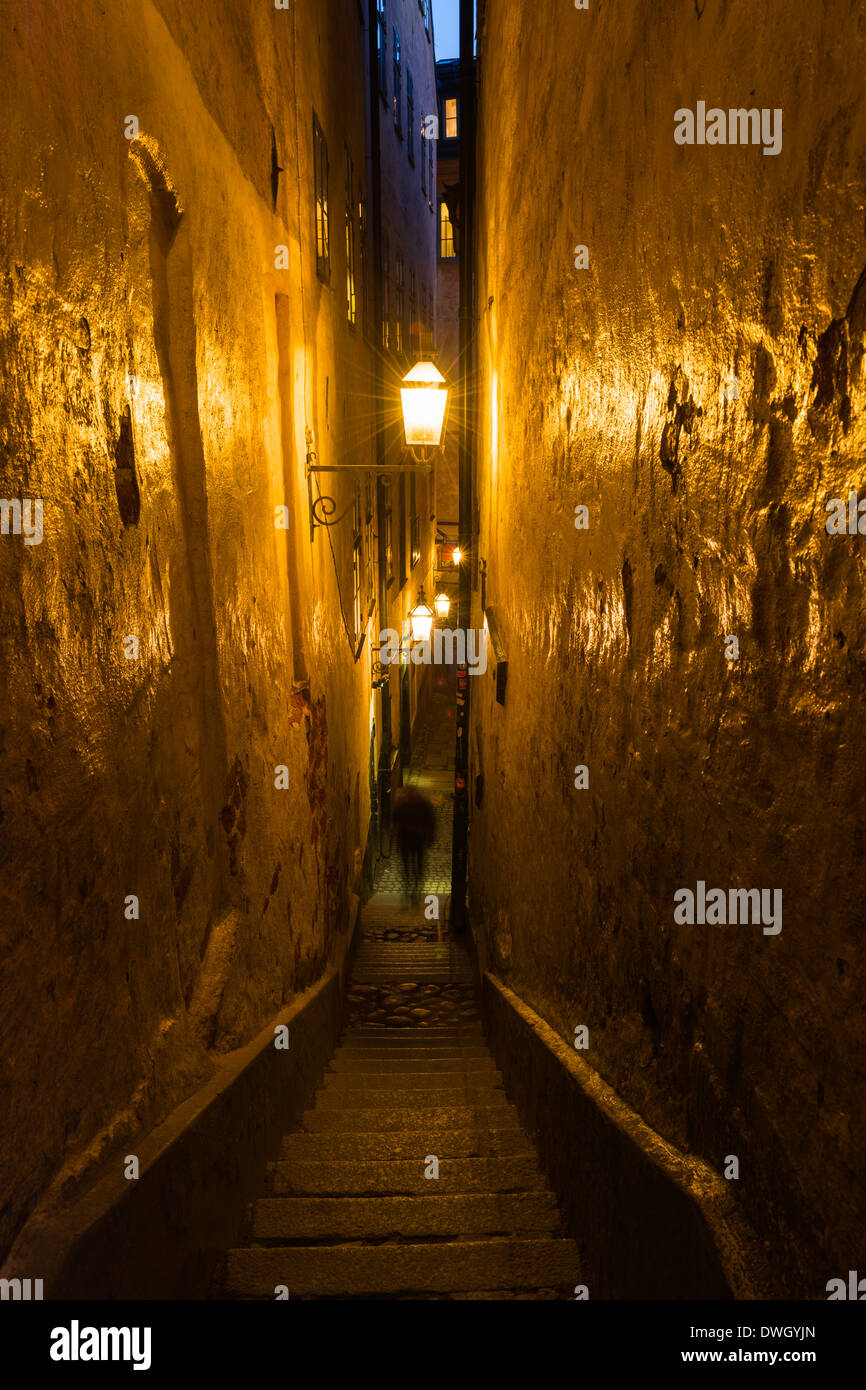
(415, 827)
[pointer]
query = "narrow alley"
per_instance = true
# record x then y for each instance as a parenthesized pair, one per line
(432, 648)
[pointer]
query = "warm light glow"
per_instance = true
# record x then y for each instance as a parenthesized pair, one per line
(458, 555)
(424, 397)
(421, 617)
(442, 603)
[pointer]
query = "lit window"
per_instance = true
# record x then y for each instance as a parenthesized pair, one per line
(320, 165)
(381, 34)
(414, 522)
(450, 118)
(398, 85)
(351, 308)
(446, 233)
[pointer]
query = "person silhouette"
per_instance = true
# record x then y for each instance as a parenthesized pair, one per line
(415, 830)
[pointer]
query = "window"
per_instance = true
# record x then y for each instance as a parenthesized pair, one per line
(362, 238)
(430, 187)
(351, 308)
(399, 304)
(423, 160)
(398, 85)
(386, 294)
(357, 570)
(446, 233)
(450, 118)
(410, 115)
(427, 16)
(368, 540)
(389, 547)
(381, 34)
(401, 524)
(414, 335)
(320, 166)
(415, 523)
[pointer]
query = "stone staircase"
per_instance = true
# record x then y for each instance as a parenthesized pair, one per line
(351, 1212)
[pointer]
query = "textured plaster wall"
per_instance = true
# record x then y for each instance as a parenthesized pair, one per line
(604, 387)
(155, 257)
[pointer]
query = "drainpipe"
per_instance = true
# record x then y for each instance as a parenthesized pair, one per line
(465, 461)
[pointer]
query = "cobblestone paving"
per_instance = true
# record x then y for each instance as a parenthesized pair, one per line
(411, 1005)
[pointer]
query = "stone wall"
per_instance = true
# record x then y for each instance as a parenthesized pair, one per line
(165, 367)
(698, 388)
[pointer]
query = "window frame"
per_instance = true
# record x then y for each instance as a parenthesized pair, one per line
(382, 49)
(423, 160)
(357, 566)
(414, 523)
(410, 115)
(444, 209)
(351, 288)
(386, 294)
(321, 172)
(399, 303)
(398, 81)
(413, 314)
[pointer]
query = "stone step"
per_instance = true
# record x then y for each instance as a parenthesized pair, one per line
(413, 1041)
(374, 1145)
(391, 1177)
(354, 1096)
(455, 1056)
(377, 1218)
(387, 1066)
(340, 1271)
(441, 1032)
(433, 1035)
(384, 1118)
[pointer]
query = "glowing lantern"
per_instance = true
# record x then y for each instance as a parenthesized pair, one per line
(421, 617)
(424, 395)
(442, 603)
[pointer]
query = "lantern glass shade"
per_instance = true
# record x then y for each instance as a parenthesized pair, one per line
(457, 556)
(442, 603)
(421, 618)
(424, 395)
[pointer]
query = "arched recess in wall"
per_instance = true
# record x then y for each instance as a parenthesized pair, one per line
(163, 369)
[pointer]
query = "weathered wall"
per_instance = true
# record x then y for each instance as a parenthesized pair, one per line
(155, 257)
(605, 387)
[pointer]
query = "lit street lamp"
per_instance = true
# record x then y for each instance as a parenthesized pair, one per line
(421, 617)
(424, 396)
(442, 603)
